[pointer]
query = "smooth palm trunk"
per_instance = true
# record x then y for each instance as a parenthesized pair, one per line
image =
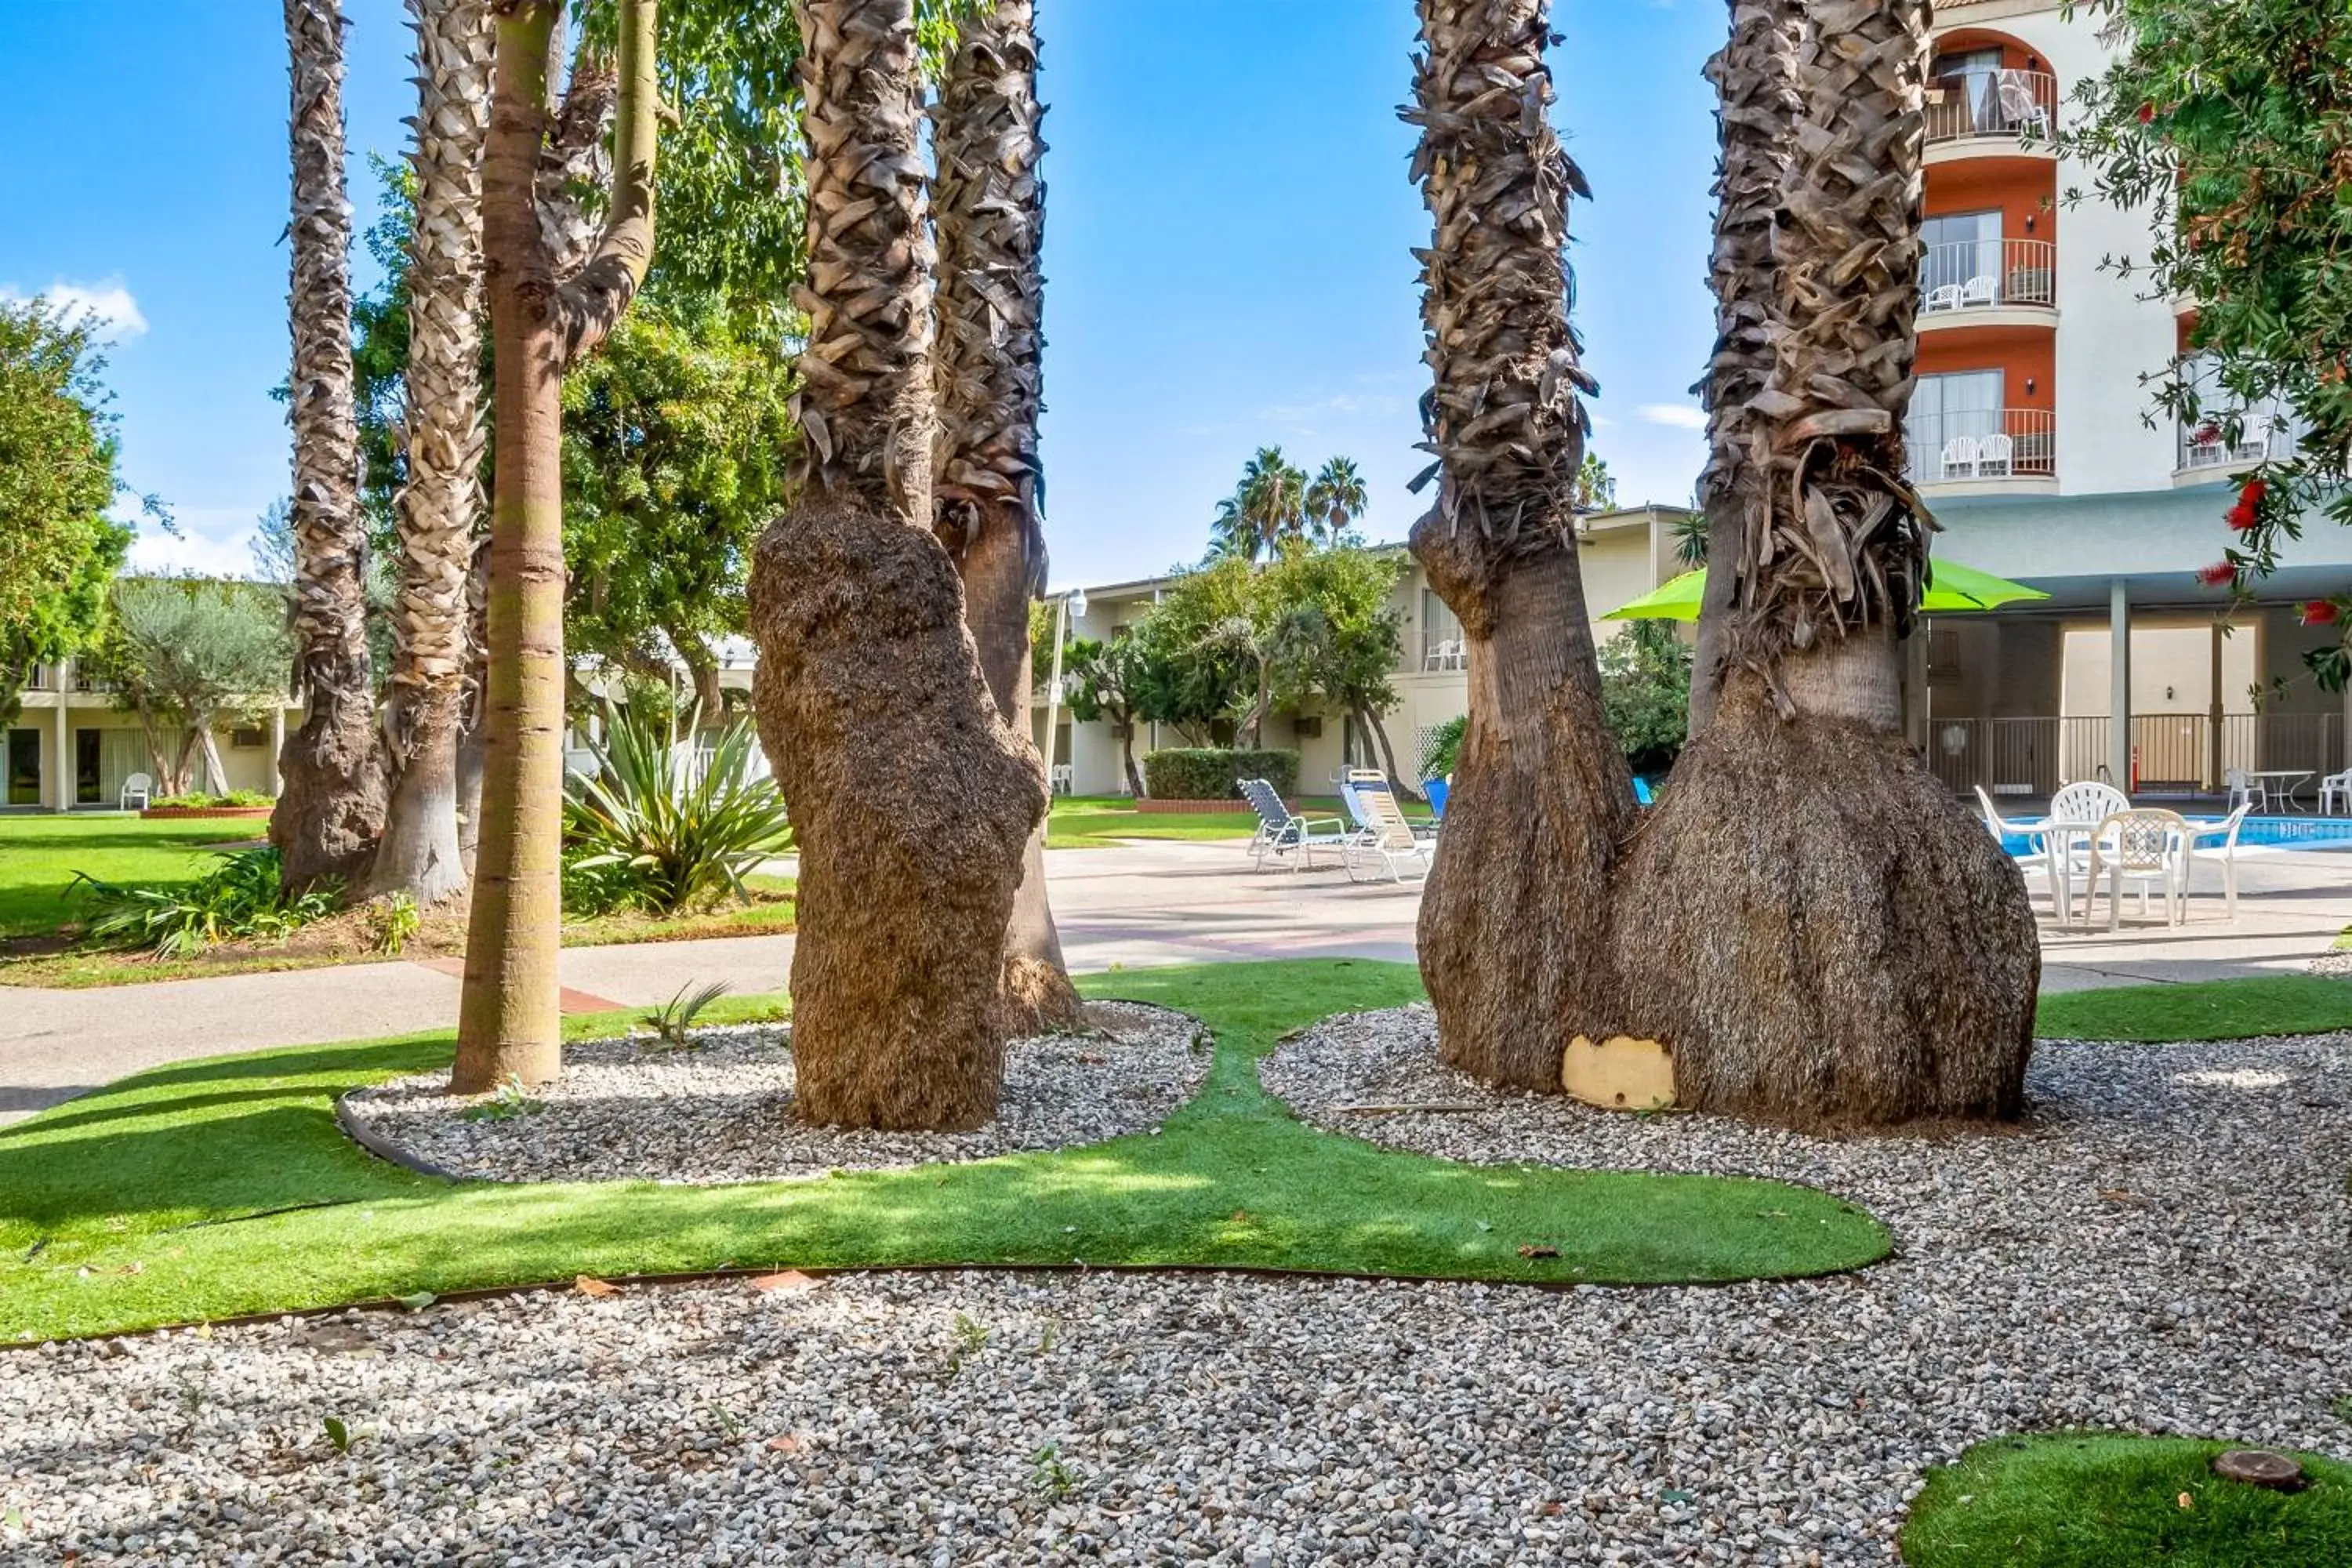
(420, 854)
(1822, 936)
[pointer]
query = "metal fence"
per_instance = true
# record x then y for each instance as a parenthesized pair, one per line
(2174, 753)
(1961, 444)
(2011, 104)
(1965, 275)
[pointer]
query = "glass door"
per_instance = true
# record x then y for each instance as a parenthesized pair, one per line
(1950, 415)
(23, 762)
(1963, 260)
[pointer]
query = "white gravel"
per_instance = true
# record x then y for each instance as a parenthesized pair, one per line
(722, 1110)
(2164, 1249)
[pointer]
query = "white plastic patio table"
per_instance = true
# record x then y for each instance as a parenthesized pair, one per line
(2294, 778)
(2057, 841)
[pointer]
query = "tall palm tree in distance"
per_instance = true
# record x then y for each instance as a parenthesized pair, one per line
(331, 809)
(1334, 499)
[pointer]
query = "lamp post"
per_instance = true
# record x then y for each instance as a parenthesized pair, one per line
(1072, 603)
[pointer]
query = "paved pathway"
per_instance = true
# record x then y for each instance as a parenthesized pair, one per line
(1138, 904)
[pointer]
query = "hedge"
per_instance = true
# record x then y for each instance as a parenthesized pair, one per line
(1205, 774)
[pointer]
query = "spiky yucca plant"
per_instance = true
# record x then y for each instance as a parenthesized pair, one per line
(678, 827)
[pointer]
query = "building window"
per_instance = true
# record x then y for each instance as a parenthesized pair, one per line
(248, 738)
(1443, 646)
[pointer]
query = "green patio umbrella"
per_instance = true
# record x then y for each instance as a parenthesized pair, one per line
(1952, 588)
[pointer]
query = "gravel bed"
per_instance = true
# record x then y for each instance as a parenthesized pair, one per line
(2163, 1248)
(722, 1110)
(2335, 960)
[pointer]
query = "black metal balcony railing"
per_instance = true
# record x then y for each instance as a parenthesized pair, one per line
(2011, 104)
(1987, 275)
(2262, 434)
(1962, 445)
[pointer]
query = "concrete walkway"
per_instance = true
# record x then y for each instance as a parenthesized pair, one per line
(1136, 905)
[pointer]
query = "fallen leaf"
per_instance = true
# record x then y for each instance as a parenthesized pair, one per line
(417, 1300)
(1539, 1252)
(784, 1443)
(588, 1285)
(1241, 1216)
(2187, 1501)
(789, 1279)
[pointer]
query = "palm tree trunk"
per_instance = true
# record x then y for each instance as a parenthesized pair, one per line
(989, 208)
(912, 802)
(1757, 115)
(1824, 936)
(509, 1021)
(424, 703)
(1513, 945)
(331, 809)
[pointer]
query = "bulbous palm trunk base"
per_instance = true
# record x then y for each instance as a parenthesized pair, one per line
(1038, 996)
(1820, 934)
(1514, 932)
(911, 803)
(330, 807)
(420, 854)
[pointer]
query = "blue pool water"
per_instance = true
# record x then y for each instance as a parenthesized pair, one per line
(2301, 832)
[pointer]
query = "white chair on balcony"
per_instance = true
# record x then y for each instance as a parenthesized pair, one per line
(1943, 296)
(1960, 457)
(1980, 292)
(1993, 456)
(2336, 792)
(2021, 107)
(2254, 437)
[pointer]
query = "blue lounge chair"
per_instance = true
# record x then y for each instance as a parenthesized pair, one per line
(1282, 832)
(1642, 796)
(1438, 790)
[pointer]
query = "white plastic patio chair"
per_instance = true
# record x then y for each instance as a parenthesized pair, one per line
(137, 791)
(1960, 457)
(2246, 790)
(1982, 290)
(2228, 852)
(2021, 107)
(2254, 437)
(2143, 846)
(2336, 790)
(1943, 296)
(1992, 456)
(2085, 803)
(1384, 835)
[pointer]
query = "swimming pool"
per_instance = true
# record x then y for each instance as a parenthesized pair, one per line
(2300, 832)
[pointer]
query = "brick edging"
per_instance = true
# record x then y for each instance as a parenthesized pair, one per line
(188, 812)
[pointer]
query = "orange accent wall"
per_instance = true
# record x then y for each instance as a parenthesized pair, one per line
(2021, 188)
(2020, 353)
(2014, 56)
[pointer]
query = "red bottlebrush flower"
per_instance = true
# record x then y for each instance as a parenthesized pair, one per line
(2319, 613)
(2146, 113)
(2215, 575)
(2241, 517)
(2253, 492)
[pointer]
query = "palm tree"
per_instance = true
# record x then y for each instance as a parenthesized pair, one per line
(1899, 979)
(1513, 925)
(1268, 506)
(425, 701)
(989, 204)
(541, 321)
(1690, 535)
(912, 801)
(332, 806)
(1334, 499)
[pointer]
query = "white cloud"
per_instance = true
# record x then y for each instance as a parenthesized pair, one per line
(213, 541)
(1342, 406)
(106, 302)
(1677, 416)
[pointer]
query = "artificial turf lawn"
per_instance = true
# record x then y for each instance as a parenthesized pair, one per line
(111, 1205)
(2089, 1500)
(2201, 1010)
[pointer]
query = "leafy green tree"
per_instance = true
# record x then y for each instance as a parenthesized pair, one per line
(59, 550)
(2226, 125)
(676, 438)
(1596, 490)
(185, 653)
(1340, 636)
(1646, 681)
(1104, 679)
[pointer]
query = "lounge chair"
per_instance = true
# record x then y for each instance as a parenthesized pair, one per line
(1282, 832)
(1643, 793)
(1385, 837)
(1438, 790)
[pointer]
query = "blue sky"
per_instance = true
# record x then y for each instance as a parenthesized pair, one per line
(1227, 244)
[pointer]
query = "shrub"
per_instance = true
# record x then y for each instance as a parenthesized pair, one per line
(1206, 774)
(1646, 681)
(243, 897)
(652, 828)
(198, 800)
(1445, 747)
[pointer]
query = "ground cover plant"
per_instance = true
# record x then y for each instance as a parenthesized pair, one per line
(2092, 1500)
(213, 1188)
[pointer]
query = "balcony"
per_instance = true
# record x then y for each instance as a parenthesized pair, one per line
(42, 677)
(2003, 113)
(2220, 444)
(1988, 283)
(1984, 451)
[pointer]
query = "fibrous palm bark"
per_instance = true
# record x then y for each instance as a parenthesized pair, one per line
(424, 701)
(332, 808)
(1754, 121)
(911, 800)
(1813, 925)
(541, 321)
(989, 208)
(1514, 933)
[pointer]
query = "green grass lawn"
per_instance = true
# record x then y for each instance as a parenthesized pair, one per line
(2085, 1500)
(1092, 821)
(2201, 1010)
(39, 855)
(220, 1187)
